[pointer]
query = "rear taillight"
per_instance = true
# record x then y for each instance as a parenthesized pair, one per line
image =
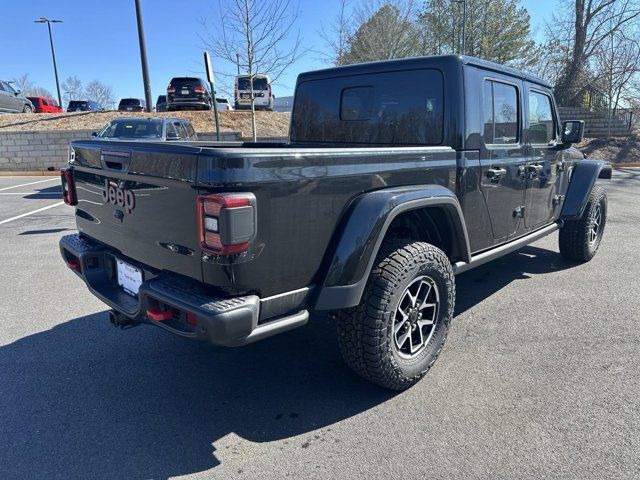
(227, 222)
(198, 89)
(68, 186)
(171, 89)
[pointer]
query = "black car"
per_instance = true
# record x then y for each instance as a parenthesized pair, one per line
(161, 103)
(84, 106)
(132, 105)
(147, 129)
(383, 194)
(188, 93)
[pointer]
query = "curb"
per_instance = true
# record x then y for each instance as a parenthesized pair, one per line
(36, 173)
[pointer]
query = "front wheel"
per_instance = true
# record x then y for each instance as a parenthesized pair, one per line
(397, 331)
(27, 109)
(579, 239)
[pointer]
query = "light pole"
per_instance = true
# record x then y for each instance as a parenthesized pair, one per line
(53, 53)
(143, 58)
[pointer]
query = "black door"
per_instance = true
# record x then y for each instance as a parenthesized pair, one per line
(541, 170)
(503, 156)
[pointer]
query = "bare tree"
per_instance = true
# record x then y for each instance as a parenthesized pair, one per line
(101, 93)
(617, 65)
(28, 88)
(591, 23)
(72, 88)
(260, 35)
(337, 35)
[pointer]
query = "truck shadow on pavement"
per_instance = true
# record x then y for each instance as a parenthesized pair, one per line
(84, 400)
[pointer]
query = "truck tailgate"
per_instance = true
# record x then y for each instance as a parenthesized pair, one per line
(142, 204)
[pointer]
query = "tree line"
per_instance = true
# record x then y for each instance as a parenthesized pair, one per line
(72, 89)
(589, 47)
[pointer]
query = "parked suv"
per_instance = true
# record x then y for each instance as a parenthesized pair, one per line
(84, 106)
(11, 100)
(188, 93)
(261, 92)
(45, 105)
(147, 129)
(132, 105)
(161, 103)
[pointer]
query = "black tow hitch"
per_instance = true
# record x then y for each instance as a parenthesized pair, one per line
(117, 319)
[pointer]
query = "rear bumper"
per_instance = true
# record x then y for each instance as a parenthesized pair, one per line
(194, 312)
(188, 103)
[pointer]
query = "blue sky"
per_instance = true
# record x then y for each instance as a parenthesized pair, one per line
(98, 40)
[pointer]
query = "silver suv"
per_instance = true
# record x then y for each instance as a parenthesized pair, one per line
(12, 101)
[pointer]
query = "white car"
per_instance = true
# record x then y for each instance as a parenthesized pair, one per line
(261, 92)
(223, 104)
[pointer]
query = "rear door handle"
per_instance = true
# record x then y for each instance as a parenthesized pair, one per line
(534, 168)
(496, 173)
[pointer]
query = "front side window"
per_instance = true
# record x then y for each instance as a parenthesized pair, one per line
(500, 113)
(541, 124)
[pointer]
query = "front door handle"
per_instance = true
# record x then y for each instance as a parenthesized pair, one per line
(496, 173)
(534, 168)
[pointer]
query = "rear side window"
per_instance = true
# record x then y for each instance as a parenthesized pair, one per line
(381, 108)
(541, 124)
(501, 113)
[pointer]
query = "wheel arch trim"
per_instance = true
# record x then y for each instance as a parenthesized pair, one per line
(360, 236)
(583, 178)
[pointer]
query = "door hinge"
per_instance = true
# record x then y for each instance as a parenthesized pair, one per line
(518, 212)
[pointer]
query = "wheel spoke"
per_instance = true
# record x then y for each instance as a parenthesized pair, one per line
(403, 337)
(424, 322)
(427, 305)
(422, 287)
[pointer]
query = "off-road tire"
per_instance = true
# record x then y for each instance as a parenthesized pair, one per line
(365, 331)
(574, 235)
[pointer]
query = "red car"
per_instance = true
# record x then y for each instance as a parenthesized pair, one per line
(45, 105)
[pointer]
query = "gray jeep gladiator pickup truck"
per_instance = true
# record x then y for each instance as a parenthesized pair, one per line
(398, 175)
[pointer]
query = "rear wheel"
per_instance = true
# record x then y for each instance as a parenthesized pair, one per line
(579, 239)
(397, 331)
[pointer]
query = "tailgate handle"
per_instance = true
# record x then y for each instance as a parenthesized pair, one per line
(118, 160)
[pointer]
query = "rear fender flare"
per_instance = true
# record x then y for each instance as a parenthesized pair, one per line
(363, 230)
(583, 178)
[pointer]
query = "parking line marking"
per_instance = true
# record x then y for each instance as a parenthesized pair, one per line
(31, 193)
(30, 183)
(31, 213)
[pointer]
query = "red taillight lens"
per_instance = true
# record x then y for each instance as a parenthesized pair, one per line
(227, 222)
(69, 194)
(198, 89)
(171, 89)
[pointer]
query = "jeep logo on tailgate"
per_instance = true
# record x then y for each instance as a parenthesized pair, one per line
(121, 197)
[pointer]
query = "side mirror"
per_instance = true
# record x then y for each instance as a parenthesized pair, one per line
(18, 92)
(94, 134)
(572, 132)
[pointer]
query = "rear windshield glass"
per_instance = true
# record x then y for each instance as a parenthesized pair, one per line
(179, 82)
(130, 101)
(382, 108)
(76, 103)
(162, 99)
(132, 129)
(258, 83)
(222, 100)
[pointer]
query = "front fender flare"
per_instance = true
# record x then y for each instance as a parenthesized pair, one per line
(362, 232)
(583, 178)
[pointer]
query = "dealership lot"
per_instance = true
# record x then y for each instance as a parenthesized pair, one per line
(539, 377)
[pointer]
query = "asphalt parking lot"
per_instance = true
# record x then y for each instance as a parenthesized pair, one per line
(539, 378)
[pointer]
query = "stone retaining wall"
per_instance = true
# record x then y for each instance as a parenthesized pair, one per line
(38, 151)
(596, 123)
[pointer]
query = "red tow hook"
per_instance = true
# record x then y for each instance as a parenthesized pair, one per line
(157, 315)
(73, 264)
